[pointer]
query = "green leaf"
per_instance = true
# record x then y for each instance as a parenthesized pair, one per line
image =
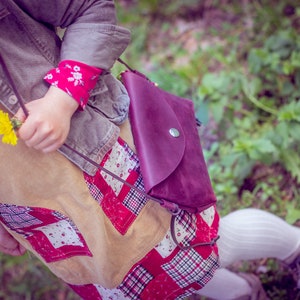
(287, 88)
(297, 79)
(264, 146)
(202, 113)
(280, 43)
(290, 112)
(291, 161)
(281, 134)
(217, 112)
(256, 60)
(292, 213)
(294, 131)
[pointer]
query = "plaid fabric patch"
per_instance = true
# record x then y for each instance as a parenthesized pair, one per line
(134, 201)
(189, 266)
(17, 217)
(185, 227)
(135, 282)
(210, 265)
(94, 190)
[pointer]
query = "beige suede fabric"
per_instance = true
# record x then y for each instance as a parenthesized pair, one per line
(31, 178)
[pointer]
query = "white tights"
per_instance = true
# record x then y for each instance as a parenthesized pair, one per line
(244, 235)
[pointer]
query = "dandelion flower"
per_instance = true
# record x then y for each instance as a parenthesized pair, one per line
(7, 129)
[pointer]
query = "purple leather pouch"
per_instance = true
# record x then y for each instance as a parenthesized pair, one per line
(168, 144)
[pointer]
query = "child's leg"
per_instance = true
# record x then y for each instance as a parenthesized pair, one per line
(226, 285)
(8, 244)
(244, 235)
(252, 234)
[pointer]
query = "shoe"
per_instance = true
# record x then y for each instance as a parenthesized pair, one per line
(258, 292)
(293, 262)
(294, 266)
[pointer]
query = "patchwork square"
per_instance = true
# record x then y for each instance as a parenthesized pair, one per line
(166, 246)
(185, 228)
(187, 267)
(135, 282)
(135, 201)
(120, 164)
(60, 234)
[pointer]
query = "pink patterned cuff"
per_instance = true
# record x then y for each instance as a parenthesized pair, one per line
(75, 78)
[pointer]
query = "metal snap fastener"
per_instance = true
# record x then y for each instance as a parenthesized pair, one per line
(174, 132)
(12, 99)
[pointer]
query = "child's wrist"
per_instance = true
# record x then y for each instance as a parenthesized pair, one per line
(62, 99)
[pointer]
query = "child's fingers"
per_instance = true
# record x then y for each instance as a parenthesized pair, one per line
(20, 115)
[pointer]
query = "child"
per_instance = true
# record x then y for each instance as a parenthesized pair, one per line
(102, 238)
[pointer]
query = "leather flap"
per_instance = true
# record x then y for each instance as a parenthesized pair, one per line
(153, 137)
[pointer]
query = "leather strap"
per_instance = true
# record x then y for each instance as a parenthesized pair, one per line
(211, 243)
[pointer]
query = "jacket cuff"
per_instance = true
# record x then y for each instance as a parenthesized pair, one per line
(75, 78)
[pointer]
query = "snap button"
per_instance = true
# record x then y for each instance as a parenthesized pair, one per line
(174, 132)
(12, 99)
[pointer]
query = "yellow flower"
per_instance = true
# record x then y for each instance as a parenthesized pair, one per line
(7, 129)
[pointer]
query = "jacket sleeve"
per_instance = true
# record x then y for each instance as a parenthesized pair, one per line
(92, 35)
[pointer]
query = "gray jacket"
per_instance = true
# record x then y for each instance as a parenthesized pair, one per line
(30, 47)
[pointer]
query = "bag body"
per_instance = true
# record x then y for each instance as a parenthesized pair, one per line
(168, 144)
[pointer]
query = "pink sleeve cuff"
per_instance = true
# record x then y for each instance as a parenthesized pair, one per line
(75, 78)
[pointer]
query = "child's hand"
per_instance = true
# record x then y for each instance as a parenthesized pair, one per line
(8, 244)
(48, 123)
